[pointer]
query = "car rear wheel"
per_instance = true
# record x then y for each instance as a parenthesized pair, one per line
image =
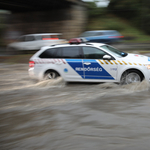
(131, 77)
(51, 75)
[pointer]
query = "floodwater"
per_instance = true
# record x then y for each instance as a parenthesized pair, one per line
(54, 115)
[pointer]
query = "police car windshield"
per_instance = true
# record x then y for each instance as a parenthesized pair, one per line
(114, 51)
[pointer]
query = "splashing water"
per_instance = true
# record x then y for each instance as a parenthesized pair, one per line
(51, 83)
(137, 87)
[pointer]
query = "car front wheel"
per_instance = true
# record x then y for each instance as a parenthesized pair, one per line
(131, 77)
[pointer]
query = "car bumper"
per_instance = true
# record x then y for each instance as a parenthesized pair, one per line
(31, 72)
(35, 75)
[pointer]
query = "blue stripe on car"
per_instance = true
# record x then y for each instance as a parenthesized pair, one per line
(92, 71)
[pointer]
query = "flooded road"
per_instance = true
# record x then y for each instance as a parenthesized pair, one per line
(54, 115)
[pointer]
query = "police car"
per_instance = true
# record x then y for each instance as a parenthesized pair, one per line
(80, 61)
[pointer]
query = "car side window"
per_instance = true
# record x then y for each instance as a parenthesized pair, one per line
(63, 52)
(58, 53)
(49, 53)
(38, 37)
(29, 38)
(93, 53)
(71, 52)
(99, 33)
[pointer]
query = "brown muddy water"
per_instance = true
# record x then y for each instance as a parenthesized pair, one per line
(54, 115)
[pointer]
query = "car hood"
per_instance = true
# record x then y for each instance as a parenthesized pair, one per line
(137, 58)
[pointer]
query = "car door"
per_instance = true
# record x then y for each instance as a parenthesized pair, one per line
(73, 70)
(95, 67)
(30, 43)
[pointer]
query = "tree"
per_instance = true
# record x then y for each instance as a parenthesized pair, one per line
(136, 11)
(94, 10)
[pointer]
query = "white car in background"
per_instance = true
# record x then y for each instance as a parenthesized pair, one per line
(35, 41)
(89, 62)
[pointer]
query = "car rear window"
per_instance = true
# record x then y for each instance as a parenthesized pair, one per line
(29, 38)
(63, 52)
(49, 53)
(71, 52)
(21, 39)
(86, 34)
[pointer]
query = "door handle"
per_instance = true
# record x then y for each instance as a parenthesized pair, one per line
(87, 63)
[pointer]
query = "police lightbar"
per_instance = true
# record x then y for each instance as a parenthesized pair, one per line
(77, 40)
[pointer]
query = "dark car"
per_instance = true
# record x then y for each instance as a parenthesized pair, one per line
(102, 36)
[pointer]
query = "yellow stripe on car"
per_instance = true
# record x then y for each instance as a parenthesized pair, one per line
(115, 62)
(101, 62)
(110, 62)
(105, 62)
(130, 63)
(124, 62)
(120, 62)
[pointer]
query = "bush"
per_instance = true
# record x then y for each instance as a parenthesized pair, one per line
(113, 26)
(95, 11)
(136, 11)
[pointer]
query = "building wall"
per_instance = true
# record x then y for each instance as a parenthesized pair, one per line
(70, 22)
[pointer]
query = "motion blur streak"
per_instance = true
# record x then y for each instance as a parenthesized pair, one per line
(53, 114)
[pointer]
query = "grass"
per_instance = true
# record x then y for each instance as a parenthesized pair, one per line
(111, 22)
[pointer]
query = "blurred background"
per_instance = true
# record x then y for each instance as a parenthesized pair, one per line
(73, 17)
(55, 115)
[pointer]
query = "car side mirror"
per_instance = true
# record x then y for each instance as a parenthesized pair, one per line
(107, 57)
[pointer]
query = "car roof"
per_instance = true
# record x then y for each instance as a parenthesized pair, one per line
(102, 31)
(81, 44)
(44, 34)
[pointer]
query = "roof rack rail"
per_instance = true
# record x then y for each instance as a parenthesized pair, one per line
(59, 44)
(89, 44)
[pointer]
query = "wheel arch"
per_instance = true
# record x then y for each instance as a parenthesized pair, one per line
(51, 70)
(132, 69)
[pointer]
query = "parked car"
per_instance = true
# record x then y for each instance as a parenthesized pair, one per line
(35, 41)
(102, 36)
(89, 62)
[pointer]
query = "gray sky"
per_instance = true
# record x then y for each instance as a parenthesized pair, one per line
(101, 3)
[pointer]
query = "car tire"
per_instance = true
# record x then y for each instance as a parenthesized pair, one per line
(50, 75)
(131, 76)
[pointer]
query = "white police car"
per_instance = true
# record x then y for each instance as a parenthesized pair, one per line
(89, 62)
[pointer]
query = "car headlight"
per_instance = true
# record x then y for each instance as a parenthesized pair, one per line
(147, 66)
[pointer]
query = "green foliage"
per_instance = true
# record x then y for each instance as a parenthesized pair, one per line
(94, 11)
(136, 11)
(110, 22)
(125, 8)
(113, 25)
